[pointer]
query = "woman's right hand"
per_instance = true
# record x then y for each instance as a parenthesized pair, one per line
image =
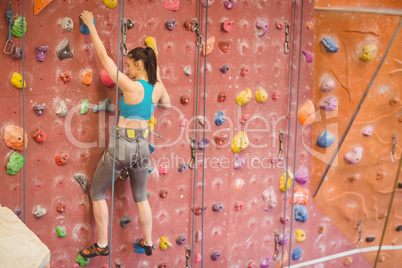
(87, 18)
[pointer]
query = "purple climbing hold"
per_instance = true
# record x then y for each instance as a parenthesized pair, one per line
(183, 167)
(399, 228)
(217, 206)
(216, 255)
(17, 212)
(354, 156)
(262, 27)
(370, 239)
(17, 53)
(327, 85)
(203, 142)
(170, 24)
(265, 263)
(309, 58)
(41, 52)
(224, 68)
(301, 175)
(229, 4)
(329, 103)
(40, 109)
(238, 162)
(368, 130)
(283, 239)
(181, 240)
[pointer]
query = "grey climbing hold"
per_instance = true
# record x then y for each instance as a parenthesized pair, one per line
(63, 50)
(40, 109)
(224, 68)
(187, 70)
(62, 111)
(82, 180)
(39, 211)
(67, 24)
(330, 44)
(106, 106)
(126, 220)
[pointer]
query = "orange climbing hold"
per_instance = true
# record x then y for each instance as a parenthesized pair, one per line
(13, 137)
(87, 77)
(210, 46)
(306, 114)
(300, 196)
(282, 261)
(40, 4)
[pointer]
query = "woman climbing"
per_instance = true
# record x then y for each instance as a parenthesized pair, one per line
(132, 152)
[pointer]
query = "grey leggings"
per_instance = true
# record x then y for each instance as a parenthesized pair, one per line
(132, 152)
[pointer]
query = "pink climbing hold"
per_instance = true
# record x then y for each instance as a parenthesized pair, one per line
(238, 205)
(368, 130)
(197, 258)
(205, 2)
(327, 85)
(354, 156)
(227, 25)
(244, 70)
(309, 58)
(275, 95)
(183, 122)
(269, 198)
(106, 79)
(171, 4)
(301, 175)
(244, 118)
(163, 169)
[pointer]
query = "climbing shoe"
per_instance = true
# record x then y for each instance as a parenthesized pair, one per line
(94, 251)
(148, 249)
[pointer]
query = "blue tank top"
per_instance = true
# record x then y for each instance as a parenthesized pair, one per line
(142, 110)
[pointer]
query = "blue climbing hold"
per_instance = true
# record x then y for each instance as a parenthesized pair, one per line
(151, 148)
(219, 118)
(301, 213)
(325, 139)
(138, 248)
(297, 253)
(330, 44)
(84, 28)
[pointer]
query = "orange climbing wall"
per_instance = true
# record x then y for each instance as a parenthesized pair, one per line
(241, 236)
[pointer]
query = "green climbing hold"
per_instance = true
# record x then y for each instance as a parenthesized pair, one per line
(60, 232)
(14, 164)
(81, 260)
(16, 30)
(84, 107)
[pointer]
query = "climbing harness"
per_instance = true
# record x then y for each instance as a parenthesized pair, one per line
(276, 252)
(280, 155)
(287, 31)
(358, 107)
(359, 233)
(393, 154)
(10, 21)
(193, 144)
(188, 255)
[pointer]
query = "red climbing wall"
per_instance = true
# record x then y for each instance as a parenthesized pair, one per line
(242, 235)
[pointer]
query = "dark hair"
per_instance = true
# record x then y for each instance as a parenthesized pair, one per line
(147, 55)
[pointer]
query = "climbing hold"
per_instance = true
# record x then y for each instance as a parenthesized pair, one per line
(84, 28)
(105, 106)
(65, 77)
(227, 25)
(330, 44)
(306, 113)
(14, 164)
(39, 211)
(325, 139)
(321, 229)
(354, 156)
(240, 142)
(327, 85)
(243, 97)
(171, 4)
(151, 123)
(40, 5)
(220, 139)
(261, 95)
(82, 180)
(370, 239)
(17, 53)
(191, 24)
(238, 184)
(67, 24)
(300, 235)
(16, 80)
(251, 264)
(138, 248)
(201, 120)
(63, 51)
(262, 27)
(224, 46)
(210, 46)
(202, 143)
(39, 136)
(106, 79)
(229, 4)
(62, 111)
(184, 99)
(182, 167)
(238, 205)
(238, 162)
(61, 159)
(329, 103)
(40, 109)
(297, 253)
(86, 77)
(217, 206)
(110, 3)
(170, 24)
(81, 260)
(187, 70)
(301, 213)
(197, 258)
(216, 255)
(278, 25)
(162, 265)
(163, 193)
(309, 25)
(13, 137)
(301, 175)
(183, 122)
(309, 58)
(283, 239)
(368, 52)
(19, 28)
(269, 198)
(221, 97)
(151, 42)
(205, 2)
(60, 232)
(393, 101)
(265, 263)
(284, 220)
(244, 118)
(126, 220)
(163, 169)
(399, 228)
(290, 178)
(84, 107)
(244, 70)
(224, 68)
(347, 261)
(198, 236)
(17, 212)
(181, 240)
(61, 207)
(41, 52)
(219, 118)
(275, 95)
(164, 243)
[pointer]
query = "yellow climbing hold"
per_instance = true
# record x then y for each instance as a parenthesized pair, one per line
(368, 52)
(300, 235)
(240, 142)
(110, 3)
(164, 243)
(151, 123)
(261, 95)
(151, 42)
(244, 97)
(16, 80)
(283, 181)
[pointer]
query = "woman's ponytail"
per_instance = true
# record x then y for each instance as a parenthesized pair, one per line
(151, 65)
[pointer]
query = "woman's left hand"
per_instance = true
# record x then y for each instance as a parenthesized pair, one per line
(87, 17)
